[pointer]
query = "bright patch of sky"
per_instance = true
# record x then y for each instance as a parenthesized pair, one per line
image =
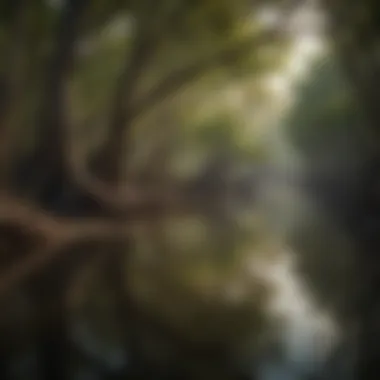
(305, 49)
(260, 112)
(306, 27)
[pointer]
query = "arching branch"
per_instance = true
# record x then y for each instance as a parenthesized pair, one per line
(183, 76)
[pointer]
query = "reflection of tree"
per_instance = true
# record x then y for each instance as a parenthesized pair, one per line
(66, 212)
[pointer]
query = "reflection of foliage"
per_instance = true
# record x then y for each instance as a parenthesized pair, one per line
(197, 288)
(201, 309)
(325, 260)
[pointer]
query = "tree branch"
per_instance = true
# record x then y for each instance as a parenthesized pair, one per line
(54, 235)
(183, 76)
(57, 234)
(47, 227)
(123, 117)
(148, 35)
(128, 197)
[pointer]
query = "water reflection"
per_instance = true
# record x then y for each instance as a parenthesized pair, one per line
(249, 302)
(114, 358)
(305, 335)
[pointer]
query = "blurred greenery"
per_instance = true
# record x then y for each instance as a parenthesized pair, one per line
(327, 115)
(166, 70)
(171, 99)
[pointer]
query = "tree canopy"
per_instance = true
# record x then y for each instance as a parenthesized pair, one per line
(97, 104)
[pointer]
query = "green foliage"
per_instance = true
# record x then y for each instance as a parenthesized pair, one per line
(327, 122)
(219, 132)
(210, 18)
(326, 114)
(326, 260)
(102, 12)
(146, 41)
